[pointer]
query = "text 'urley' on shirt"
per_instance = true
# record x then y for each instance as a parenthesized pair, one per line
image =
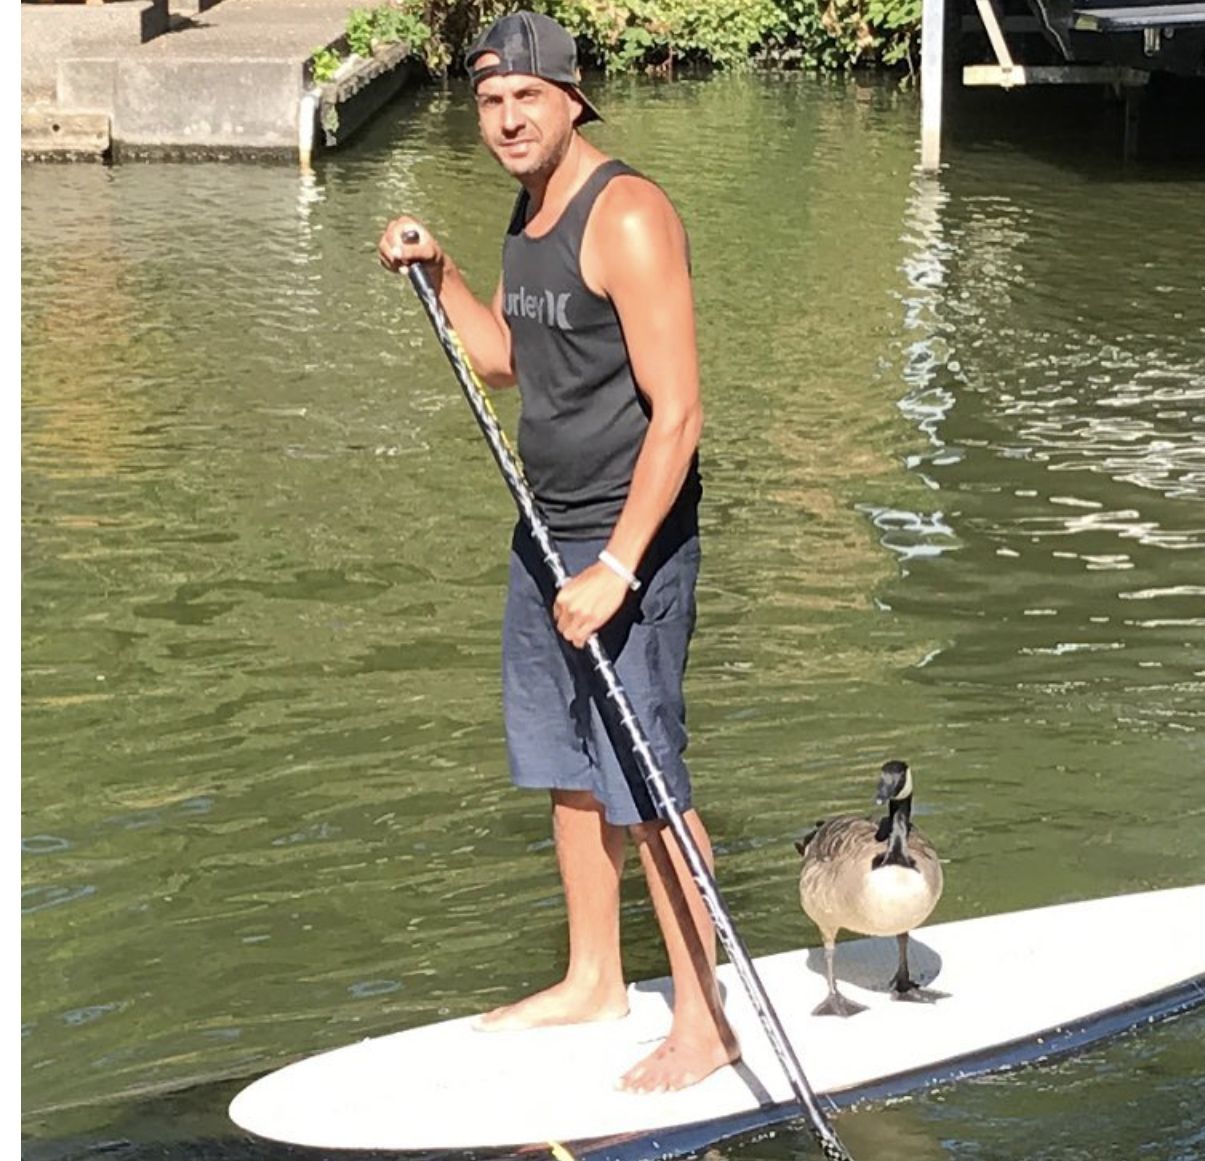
(544, 306)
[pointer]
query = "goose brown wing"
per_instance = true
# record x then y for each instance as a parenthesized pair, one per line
(919, 845)
(927, 862)
(841, 838)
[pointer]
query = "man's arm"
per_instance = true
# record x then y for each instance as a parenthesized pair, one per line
(482, 329)
(635, 253)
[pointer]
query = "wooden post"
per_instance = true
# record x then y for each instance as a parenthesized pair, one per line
(1131, 96)
(995, 33)
(932, 38)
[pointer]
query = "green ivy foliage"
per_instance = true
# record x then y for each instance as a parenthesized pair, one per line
(660, 35)
(838, 34)
(657, 33)
(394, 22)
(397, 22)
(324, 64)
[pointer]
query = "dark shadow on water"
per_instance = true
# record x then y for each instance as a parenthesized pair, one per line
(183, 1126)
(191, 1125)
(1081, 128)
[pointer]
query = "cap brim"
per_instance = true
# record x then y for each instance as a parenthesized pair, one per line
(589, 112)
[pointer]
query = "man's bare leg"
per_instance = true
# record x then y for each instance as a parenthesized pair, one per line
(590, 853)
(700, 1040)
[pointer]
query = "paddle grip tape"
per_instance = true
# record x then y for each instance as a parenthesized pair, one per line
(709, 891)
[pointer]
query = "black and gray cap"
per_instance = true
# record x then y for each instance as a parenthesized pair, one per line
(535, 45)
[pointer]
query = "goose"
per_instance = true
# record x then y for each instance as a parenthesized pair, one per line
(875, 879)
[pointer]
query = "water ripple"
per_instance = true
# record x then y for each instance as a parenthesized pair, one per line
(44, 844)
(35, 899)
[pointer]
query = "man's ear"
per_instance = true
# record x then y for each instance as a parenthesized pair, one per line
(578, 107)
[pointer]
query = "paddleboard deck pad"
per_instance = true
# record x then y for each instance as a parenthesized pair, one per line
(1019, 988)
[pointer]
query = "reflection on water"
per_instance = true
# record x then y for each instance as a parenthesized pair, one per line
(953, 477)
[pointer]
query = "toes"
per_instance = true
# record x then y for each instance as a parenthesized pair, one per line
(643, 1078)
(630, 1081)
(669, 1069)
(638, 1079)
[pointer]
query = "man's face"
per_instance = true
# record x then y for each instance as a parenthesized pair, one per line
(526, 122)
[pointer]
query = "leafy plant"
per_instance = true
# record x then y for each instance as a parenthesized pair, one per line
(324, 64)
(835, 35)
(397, 22)
(898, 23)
(658, 35)
(394, 22)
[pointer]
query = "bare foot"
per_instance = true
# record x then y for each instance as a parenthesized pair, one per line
(682, 1060)
(561, 1004)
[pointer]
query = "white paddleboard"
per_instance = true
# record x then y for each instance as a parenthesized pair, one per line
(1011, 980)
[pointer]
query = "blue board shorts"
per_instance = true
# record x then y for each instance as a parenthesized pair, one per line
(561, 732)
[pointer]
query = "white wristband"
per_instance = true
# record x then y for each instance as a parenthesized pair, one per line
(620, 569)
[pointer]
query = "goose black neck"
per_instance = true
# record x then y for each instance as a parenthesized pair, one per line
(901, 812)
(900, 815)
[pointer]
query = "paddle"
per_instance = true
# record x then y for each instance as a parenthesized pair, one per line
(738, 955)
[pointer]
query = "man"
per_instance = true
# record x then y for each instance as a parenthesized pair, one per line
(593, 318)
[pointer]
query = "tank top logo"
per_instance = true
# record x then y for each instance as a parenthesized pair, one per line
(542, 305)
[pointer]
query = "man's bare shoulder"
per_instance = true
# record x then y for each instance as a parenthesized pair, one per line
(637, 212)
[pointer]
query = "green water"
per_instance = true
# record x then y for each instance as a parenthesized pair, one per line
(954, 467)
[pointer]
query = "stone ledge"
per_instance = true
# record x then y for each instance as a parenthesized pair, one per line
(201, 106)
(87, 85)
(54, 135)
(347, 103)
(267, 154)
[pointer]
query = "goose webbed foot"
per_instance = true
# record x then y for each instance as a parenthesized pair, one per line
(835, 1004)
(838, 1005)
(908, 989)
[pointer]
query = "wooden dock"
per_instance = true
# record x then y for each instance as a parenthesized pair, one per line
(1054, 42)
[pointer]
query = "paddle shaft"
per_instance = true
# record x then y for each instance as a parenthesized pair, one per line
(738, 954)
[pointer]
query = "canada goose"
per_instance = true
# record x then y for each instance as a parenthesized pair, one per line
(876, 879)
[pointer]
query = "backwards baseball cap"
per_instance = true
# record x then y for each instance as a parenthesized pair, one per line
(532, 44)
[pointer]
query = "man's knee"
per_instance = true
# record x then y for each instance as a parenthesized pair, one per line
(644, 833)
(576, 800)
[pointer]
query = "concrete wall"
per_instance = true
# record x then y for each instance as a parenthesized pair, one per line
(225, 82)
(53, 32)
(190, 104)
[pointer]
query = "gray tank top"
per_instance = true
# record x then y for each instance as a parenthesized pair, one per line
(582, 420)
